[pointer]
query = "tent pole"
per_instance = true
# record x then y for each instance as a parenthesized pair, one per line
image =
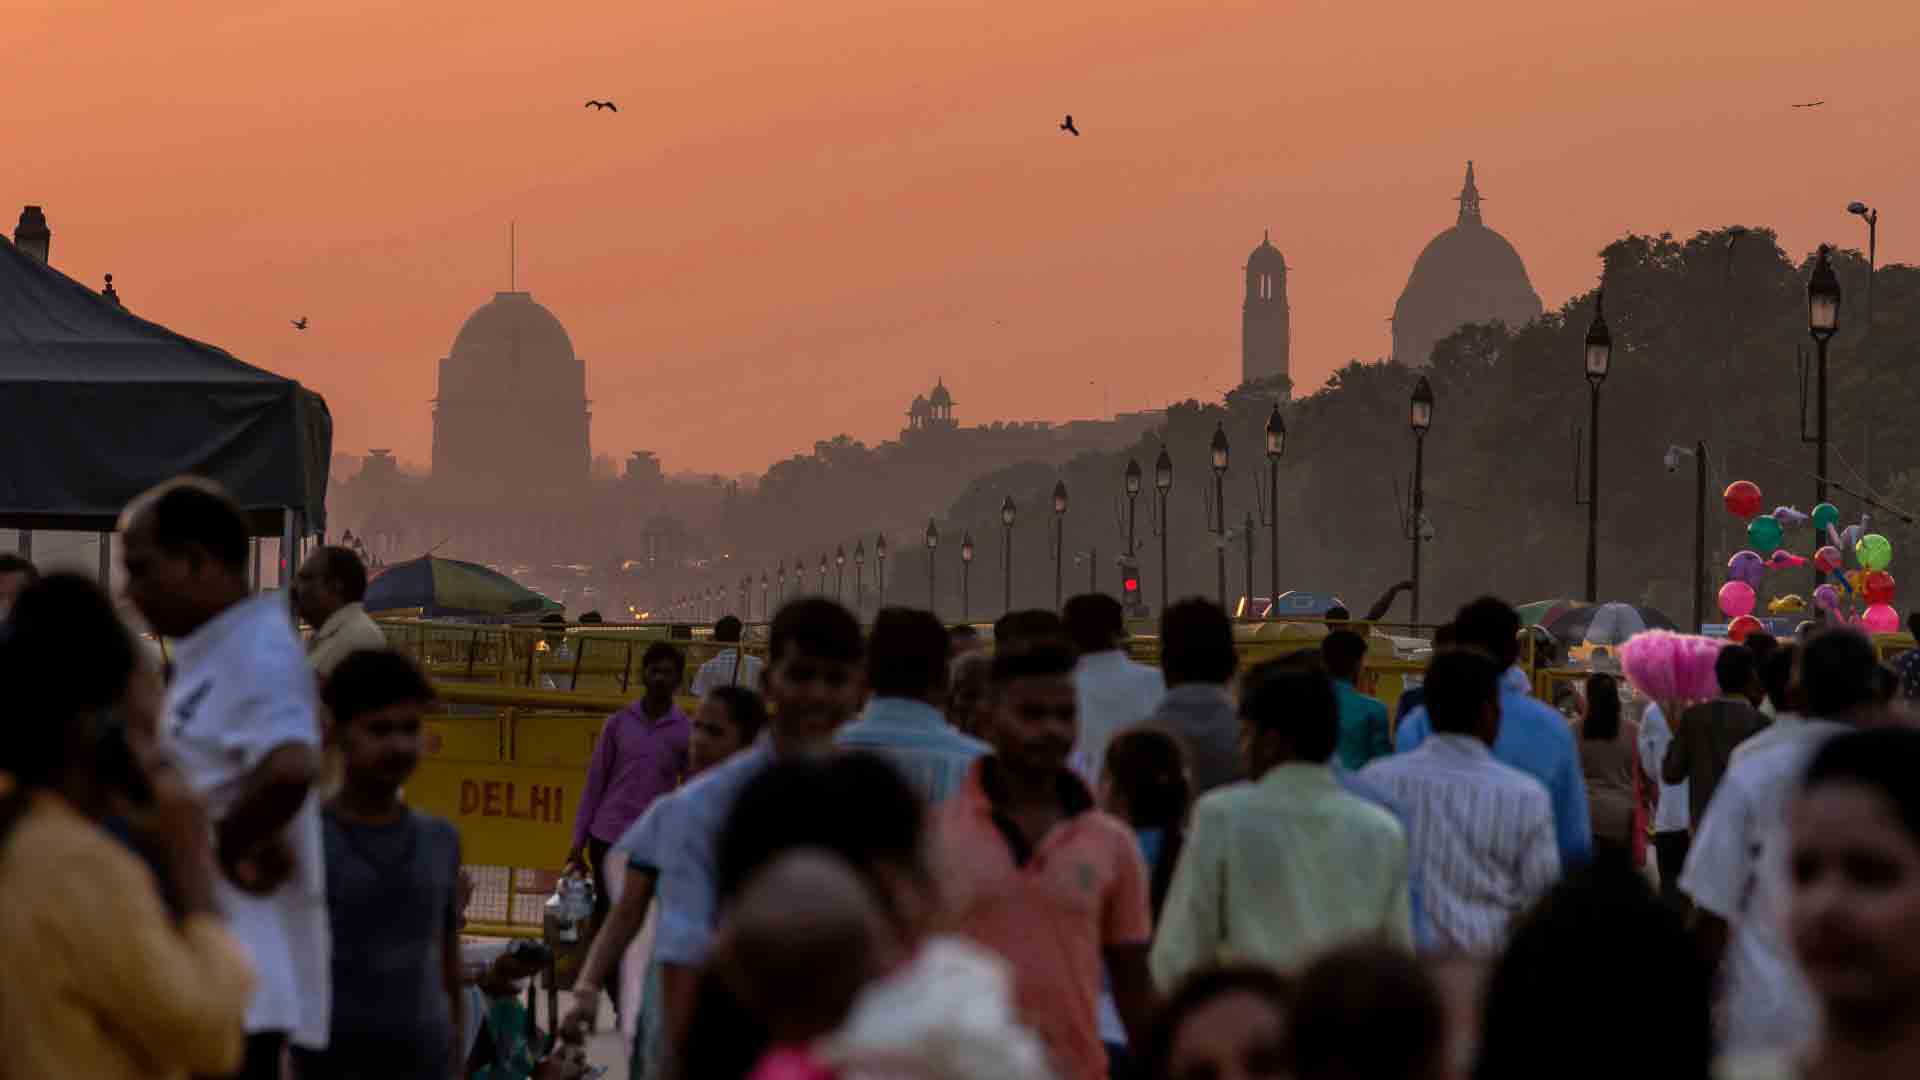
(256, 563)
(289, 534)
(26, 544)
(106, 561)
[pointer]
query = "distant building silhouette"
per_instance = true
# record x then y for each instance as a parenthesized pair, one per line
(1467, 274)
(933, 436)
(512, 411)
(1265, 325)
(931, 412)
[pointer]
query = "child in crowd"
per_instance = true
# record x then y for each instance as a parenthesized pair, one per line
(1144, 782)
(393, 889)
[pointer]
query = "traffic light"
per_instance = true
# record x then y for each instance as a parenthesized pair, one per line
(1130, 598)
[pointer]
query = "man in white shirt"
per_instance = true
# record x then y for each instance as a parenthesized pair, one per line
(1115, 692)
(1481, 830)
(1672, 819)
(242, 721)
(327, 593)
(730, 667)
(1736, 873)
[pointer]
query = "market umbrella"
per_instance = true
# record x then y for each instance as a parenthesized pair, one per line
(1543, 612)
(1607, 624)
(443, 587)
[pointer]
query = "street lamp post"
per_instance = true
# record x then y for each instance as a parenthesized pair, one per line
(781, 596)
(1162, 484)
(859, 575)
(1249, 538)
(1006, 552)
(1420, 419)
(966, 573)
(1132, 486)
(765, 611)
(823, 573)
(1219, 452)
(1823, 321)
(1599, 358)
(1059, 538)
(933, 541)
(1276, 446)
(1699, 456)
(840, 572)
(880, 571)
(1872, 217)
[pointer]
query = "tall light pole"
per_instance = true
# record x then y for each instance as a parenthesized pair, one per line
(1823, 321)
(933, 541)
(766, 612)
(1276, 446)
(1162, 484)
(966, 573)
(1872, 217)
(1420, 419)
(1249, 537)
(1699, 456)
(1132, 487)
(1599, 358)
(859, 575)
(823, 573)
(781, 596)
(1219, 453)
(1059, 538)
(840, 572)
(880, 571)
(1006, 551)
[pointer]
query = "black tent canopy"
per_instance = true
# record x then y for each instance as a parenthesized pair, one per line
(97, 405)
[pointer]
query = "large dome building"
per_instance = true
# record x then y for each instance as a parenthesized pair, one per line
(1467, 274)
(511, 417)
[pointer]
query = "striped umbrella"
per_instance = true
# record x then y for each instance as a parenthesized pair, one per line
(449, 587)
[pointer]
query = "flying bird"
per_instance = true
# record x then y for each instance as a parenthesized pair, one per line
(1067, 125)
(1810, 104)
(300, 323)
(601, 105)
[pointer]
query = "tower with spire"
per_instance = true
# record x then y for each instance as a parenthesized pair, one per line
(1265, 325)
(1469, 200)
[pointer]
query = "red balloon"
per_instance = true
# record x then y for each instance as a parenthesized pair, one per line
(1743, 499)
(1738, 629)
(1878, 587)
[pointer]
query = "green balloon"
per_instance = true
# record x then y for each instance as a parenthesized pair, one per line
(1874, 551)
(1824, 515)
(1763, 534)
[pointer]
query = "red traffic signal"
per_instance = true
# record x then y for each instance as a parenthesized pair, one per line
(1131, 584)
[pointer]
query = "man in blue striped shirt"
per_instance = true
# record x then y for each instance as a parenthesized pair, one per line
(907, 673)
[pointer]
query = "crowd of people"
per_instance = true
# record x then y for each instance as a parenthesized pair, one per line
(895, 852)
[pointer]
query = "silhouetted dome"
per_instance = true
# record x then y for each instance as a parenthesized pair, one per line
(1266, 255)
(1467, 274)
(919, 406)
(940, 398)
(513, 345)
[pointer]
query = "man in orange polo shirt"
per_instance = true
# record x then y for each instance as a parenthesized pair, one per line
(1037, 874)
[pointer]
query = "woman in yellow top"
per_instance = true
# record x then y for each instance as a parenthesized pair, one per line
(101, 980)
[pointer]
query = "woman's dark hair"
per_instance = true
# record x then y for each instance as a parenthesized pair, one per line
(1601, 937)
(1366, 1012)
(65, 657)
(745, 708)
(1196, 993)
(1603, 708)
(1883, 759)
(1149, 766)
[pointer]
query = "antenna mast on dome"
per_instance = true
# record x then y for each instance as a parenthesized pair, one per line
(513, 257)
(1469, 200)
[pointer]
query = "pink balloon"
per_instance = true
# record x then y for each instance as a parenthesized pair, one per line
(1881, 619)
(1736, 599)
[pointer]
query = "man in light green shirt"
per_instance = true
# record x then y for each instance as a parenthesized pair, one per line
(1278, 869)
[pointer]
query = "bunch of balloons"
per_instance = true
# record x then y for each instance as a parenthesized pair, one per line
(1861, 594)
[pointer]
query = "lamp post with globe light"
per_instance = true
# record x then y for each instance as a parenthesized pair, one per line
(840, 573)
(1006, 552)
(1823, 321)
(966, 573)
(859, 575)
(1420, 418)
(1218, 451)
(1059, 538)
(880, 571)
(1162, 485)
(933, 541)
(1599, 359)
(1276, 446)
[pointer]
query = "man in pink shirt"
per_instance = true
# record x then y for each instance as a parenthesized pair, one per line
(640, 756)
(1037, 874)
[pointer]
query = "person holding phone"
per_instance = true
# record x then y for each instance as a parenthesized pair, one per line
(102, 981)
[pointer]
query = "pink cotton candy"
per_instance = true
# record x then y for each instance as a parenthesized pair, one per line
(1666, 666)
(791, 1064)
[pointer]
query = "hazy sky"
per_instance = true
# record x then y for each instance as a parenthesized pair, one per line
(805, 212)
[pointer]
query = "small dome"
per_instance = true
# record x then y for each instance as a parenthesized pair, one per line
(940, 398)
(512, 344)
(1266, 254)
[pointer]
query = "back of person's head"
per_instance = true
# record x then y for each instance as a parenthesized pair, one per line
(746, 708)
(727, 630)
(1027, 624)
(192, 511)
(1294, 698)
(374, 679)
(1196, 643)
(907, 654)
(1344, 651)
(1445, 636)
(1837, 673)
(1603, 708)
(1734, 669)
(1148, 766)
(1776, 674)
(1032, 658)
(817, 627)
(1459, 687)
(1761, 644)
(592, 618)
(15, 564)
(1203, 989)
(661, 650)
(1095, 622)
(1367, 1012)
(1600, 937)
(961, 636)
(347, 573)
(854, 805)
(1338, 613)
(1492, 626)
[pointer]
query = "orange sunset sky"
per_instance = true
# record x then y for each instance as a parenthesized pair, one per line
(805, 212)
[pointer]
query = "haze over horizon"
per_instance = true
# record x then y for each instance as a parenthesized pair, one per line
(803, 215)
